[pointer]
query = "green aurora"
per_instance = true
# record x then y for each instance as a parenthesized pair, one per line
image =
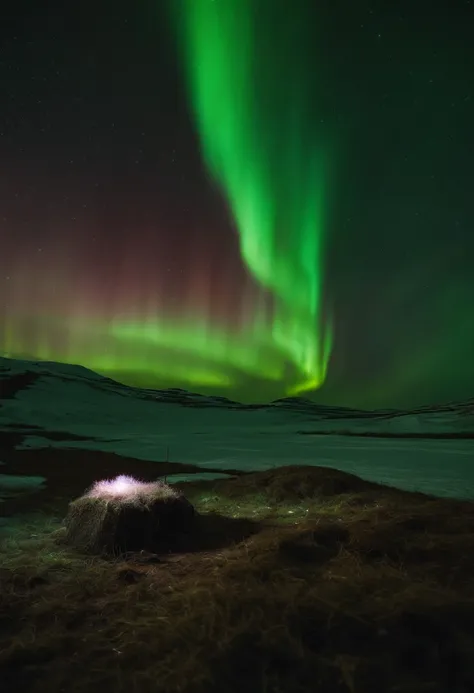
(248, 198)
(256, 128)
(249, 91)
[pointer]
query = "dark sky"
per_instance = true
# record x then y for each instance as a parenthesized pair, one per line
(119, 249)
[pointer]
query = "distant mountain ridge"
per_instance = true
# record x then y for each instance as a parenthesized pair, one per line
(17, 377)
(11, 368)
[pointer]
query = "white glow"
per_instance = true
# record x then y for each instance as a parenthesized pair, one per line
(127, 488)
(120, 486)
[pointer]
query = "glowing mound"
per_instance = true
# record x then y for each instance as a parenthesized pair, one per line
(124, 514)
(128, 489)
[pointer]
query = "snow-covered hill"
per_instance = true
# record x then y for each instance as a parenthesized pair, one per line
(431, 448)
(28, 382)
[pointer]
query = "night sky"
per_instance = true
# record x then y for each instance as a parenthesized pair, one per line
(252, 198)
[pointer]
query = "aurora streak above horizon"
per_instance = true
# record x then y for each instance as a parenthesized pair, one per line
(256, 130)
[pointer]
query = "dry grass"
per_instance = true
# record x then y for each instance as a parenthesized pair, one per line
(299, 579)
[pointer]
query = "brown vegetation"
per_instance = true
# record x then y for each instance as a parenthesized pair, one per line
(298, 579)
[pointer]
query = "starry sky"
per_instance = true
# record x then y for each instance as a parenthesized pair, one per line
(242, 198)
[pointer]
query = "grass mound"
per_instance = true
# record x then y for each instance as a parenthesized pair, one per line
(368, 589)
(297, 482)
(123, 515)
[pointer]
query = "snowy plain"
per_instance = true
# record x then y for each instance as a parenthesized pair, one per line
(218, 434)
